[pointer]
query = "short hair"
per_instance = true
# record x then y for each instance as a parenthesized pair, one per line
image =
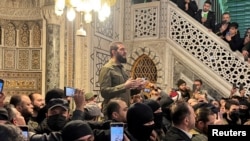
(179, 111)
(54, 93)
(230, 102)
(198, 80)
(226, 13)
(113, 106)
(208, 2)
(234, 24)
(203, 113)
(16, 100)
(9, 132)
(10, 109)
(114, 46)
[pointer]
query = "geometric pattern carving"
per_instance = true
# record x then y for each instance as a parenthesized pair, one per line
(10, 35)
(23, 59)
(36, 36)
(21, 82)
(105, 29)
(24, 36)
(146, 22)
(101, 57)
(36, 59)
(9, 59)
(212, 54)
(144, 67)
(135, 60)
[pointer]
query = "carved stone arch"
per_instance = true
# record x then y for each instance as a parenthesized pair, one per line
(10, 34)
(140, 52)
(24, 35)
(36, 35)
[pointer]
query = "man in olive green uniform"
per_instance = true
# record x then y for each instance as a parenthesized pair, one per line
(113, 79)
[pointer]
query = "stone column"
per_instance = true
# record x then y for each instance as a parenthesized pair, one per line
(53, 40)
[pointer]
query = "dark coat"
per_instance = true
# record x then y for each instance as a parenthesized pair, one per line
(175, 134)
(210, 23)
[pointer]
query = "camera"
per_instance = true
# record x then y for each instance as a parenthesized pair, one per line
(69, 91)
(116, 131)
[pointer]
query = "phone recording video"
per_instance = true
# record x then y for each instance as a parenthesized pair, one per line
(69, 91)
(1, 85)
(147, 90)
(25, 132)
(116, 131)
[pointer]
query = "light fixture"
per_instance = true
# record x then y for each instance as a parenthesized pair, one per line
(81, 32)
(102, 7)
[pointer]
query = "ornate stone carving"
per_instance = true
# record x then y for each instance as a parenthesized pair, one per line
(20, 14)
(146, 21)
(21, 82)
(210, 51)
(9, 59)
(23, 59)
(49, 15)
(10, 35)
(100, 58)
(36, 34)
(24, 36)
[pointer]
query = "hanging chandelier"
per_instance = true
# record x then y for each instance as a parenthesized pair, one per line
(85, 7)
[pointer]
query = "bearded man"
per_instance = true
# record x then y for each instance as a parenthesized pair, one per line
(113, 79)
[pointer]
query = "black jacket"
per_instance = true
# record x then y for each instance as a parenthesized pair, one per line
(175, 134)
(192, 7)
(210, 23)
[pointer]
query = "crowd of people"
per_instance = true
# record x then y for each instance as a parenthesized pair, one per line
(145, 111)
(226, 29)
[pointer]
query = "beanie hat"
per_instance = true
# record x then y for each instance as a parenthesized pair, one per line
(154, 105)
(180, 82)
(139, 114)
(54, 93)
(75, 129)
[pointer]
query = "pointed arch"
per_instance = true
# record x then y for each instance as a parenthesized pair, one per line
(10, 35)
(36, 34)
(144, 67)
(140, 53)
(24, 36)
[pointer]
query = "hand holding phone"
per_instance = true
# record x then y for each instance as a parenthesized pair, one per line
(116, 131)
(1, 85)
(25, 132)
(69, 91)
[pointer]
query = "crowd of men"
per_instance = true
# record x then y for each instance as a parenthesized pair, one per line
(226, 29)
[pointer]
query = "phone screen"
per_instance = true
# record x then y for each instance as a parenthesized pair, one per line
(147, 90)
(1, 85)
(116, 131)
(25, 132)
(69, 91)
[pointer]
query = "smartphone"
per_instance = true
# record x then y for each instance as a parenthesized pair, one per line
(147, 90)
(69, 91)
(25, 132)
(1, 85)
(116, 131)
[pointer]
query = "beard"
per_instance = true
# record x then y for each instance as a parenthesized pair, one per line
(121, 59)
